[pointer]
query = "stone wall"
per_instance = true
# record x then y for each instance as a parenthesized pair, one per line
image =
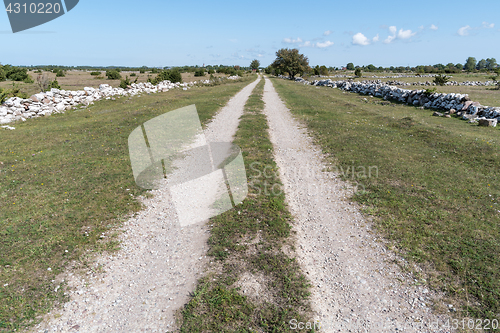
(459, 104)
(58, 101)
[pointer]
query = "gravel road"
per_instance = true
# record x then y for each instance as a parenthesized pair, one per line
(356, 287)
(139, 288)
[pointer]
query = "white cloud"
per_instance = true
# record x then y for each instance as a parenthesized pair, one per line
(392, 30)
(488, 26)
(324, 44)
(389, 39)
(327, 33)
(464, 31)
(433, 27)
(376, 38)
(260, 55)
(421, 27)
(292, 41)
(360, 39)
(306, 43)
(405, 34)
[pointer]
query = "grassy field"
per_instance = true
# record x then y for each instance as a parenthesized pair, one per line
(66, 180)
(77, 80)
(436, 194)
(251, 241)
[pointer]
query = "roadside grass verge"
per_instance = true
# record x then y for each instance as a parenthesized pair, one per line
(65, 185)
(435, 195)
(249, 243)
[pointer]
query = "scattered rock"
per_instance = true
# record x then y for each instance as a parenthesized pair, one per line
(488, 122)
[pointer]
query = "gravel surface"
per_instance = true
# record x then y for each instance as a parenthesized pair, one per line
(139, 288)
(357, 287)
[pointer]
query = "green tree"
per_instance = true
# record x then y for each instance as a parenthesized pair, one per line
(291, 61)
(459, 66)
(350, 66)
(255, 64)
(323, 70)
(481, 64)
(371, 67)
(470, 64)
(491, 64)
(358, 72)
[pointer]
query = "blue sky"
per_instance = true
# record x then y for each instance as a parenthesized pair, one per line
(331, 33)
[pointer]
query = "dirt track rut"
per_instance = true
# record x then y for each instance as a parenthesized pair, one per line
(356, 287)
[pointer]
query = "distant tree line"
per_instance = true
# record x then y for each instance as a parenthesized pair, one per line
(292, 63)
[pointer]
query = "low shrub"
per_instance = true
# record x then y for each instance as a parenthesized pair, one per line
(169, 74)
(16, 73)
(125, 83)
(95, 73)
(133, 74)
(54, 84)
(199, 72)
(113, 75)
(15, 91)
(440, 79)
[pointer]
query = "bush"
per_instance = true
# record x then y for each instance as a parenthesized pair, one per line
(15, 73)
(211, 71)
(60, 73)
(95, 73)
(125, 83)
(199, 72)
(14, 92)
(430, 91)
(3, 76)
(358, 72)
(155, 71)
(113, 75)
(142, 71)
(170, 74)
(4, 94)
(54, 84)
(133, 74)
(28, 80)
(440, 80)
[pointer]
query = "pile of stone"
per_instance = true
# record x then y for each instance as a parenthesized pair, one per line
(459, 104)
(58, 101)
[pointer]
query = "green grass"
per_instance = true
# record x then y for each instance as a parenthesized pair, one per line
(436, 194)
(65, 180)
(251, 240)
